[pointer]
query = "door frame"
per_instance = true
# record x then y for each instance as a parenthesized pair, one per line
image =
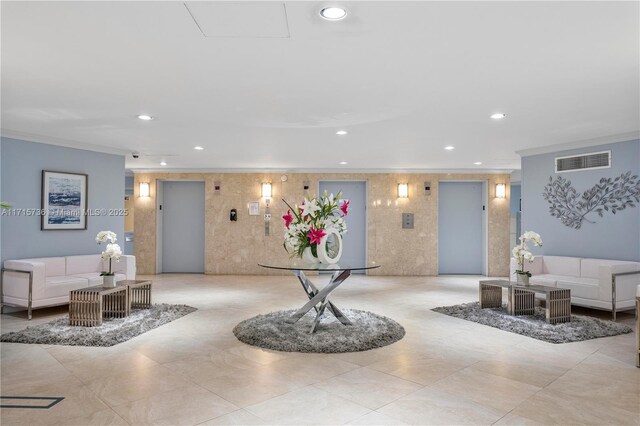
(485, 219)
(366, 211)
(160, 221)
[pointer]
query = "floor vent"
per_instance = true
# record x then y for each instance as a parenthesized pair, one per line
(589, 161)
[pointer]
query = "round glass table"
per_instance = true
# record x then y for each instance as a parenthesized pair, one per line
(319, 299)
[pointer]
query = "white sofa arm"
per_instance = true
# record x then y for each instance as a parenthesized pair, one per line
(127, 266)
(625, 284)
(605, 276)
(15, 278)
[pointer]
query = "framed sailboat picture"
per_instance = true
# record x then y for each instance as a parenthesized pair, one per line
(64, 201)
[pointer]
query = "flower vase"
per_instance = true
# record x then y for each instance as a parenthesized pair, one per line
(109, 281)
(523, 279)
(307, 256)
(330, 247)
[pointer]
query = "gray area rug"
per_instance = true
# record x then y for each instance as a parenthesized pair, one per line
(580, 328)
(272, 331)
(111, 332)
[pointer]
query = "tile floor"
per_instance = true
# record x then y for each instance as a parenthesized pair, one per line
(445, 370)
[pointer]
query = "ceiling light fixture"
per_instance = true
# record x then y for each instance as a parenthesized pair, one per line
(341, 132)
(198, 148)
(342, 163)
(449, 148)
(163, 163)
(333, 13)
(145, 117)
(477, 163)
(498, 116)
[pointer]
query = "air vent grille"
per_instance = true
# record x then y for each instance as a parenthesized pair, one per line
(593, 160)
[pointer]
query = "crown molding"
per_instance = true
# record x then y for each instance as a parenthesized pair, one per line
(327, 171)
(516, 176)
(49, 140)
(621, 137)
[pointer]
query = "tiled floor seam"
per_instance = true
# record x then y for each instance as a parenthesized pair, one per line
(298, 390)
(536, 393)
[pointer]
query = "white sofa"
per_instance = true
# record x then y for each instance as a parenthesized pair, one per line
(36, 283)
(591, 281)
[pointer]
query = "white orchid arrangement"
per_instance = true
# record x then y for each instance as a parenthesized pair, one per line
(306, 224)
(112, 251)
(521, 252)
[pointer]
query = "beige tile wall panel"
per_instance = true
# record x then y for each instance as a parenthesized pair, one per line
(236, 247)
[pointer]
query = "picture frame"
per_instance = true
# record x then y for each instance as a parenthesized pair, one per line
(64, 201)
(254, 208)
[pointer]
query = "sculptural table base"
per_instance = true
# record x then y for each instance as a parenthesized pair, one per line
(319, 300)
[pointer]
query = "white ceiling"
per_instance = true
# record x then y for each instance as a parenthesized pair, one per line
(404, 78)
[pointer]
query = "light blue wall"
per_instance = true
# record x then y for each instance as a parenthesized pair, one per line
(21, 175)
(514, 199)
(611, 237)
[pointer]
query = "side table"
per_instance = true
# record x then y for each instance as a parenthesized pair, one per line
(521, 299)
(139, 293)
(87, 306)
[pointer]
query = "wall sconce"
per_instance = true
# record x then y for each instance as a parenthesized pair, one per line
(501, 190)
(266, 190)
(403, 190)
(145, 190)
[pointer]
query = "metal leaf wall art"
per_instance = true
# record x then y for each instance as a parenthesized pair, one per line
(609, 195)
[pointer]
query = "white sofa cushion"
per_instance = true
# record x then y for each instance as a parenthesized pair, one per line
(545, 279)
(82, 264)
(586, 288)
(53, 266)
(62, 285)
(590, 268)
(561, 265)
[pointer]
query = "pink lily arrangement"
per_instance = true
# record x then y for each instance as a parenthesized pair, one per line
(306, 224)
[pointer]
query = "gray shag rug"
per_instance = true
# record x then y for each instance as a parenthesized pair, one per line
(272, 331)
(580, 328)
(111, 332)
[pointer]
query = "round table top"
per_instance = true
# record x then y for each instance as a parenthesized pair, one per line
(298, 264)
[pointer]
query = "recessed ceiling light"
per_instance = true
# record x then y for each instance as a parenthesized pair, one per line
(163, 163)
(449, 148)
(145, 117)
(498, 116)
(477, 163)
(342, 163)
(198, 148)
(333, 13)
(341, 132)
